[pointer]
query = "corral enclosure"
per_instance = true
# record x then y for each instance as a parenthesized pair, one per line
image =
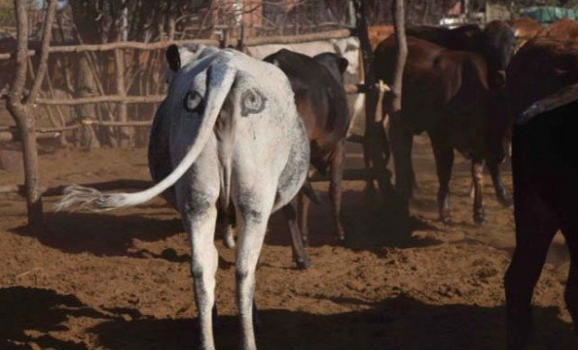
(122, 280)
(81, 74)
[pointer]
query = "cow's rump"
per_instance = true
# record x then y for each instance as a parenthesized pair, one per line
(541, 68)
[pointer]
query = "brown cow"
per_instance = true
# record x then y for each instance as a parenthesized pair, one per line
(322, 103)
(525, 29)
(446, 94)
(378, 34)
(495, 43)
(564, 29)
(545, 169)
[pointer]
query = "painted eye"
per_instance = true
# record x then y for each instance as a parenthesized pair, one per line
(252, 102)
(194, 102)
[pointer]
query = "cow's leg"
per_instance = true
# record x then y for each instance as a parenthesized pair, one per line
(200, 219)
(570, 231)
(252, 217)
(444, 157)
(370, 191)
(304, 202)
(535, 228)
(299, 254)
(501, 192)
(335, 188)
(478, 178)
(401, 146)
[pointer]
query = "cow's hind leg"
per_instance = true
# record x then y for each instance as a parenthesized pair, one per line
(336, 190)
(478, 177)
(501, 192)
(252, 216)
(401, 147)
(534, 232)
(200, 216)
(444, 157)
(570, 231)
(299, 254)
(304, 202)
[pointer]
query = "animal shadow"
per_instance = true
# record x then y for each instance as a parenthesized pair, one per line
(400, 322)
(367, 227)
(39, 310)
(102, 233)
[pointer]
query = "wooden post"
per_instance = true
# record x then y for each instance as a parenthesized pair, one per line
(373, 145)
(21, 108)
(124, 134)
(401, 57)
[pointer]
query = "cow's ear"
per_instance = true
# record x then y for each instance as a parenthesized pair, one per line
(173, 58)
(342, 63)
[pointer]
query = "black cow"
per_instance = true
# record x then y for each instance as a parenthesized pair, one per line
(543, 90)
(322, 103)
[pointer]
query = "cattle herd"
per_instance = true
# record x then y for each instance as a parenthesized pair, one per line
(235, 137)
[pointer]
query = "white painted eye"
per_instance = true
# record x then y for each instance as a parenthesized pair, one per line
(193, 102)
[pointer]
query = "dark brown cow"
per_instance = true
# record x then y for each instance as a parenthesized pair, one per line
(446, 94)
(545, 169)
(495, 43)
(322, 103)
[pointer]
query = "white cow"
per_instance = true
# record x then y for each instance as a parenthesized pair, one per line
(235, 139)
(347, 48)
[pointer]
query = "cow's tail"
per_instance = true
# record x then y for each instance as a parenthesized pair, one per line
(358, 108)
(221, 78)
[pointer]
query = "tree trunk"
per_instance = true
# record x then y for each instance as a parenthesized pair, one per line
(21, 108)
(401, 57)
(373, 146)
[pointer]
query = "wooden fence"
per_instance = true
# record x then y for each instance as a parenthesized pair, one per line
(23, 107)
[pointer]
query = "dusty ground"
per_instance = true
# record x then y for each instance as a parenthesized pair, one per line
(121, 280)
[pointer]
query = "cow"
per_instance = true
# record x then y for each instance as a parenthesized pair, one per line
(525, 29)
(496, 43)
(347, 48)
(545, 169)
(564, 29)
(160, 166)
(322, 103)
(445, 93)
(236, 140)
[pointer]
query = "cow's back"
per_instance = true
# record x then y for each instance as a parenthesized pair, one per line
(320, 100)
(438, 83)
(564, 29)
(541, 67)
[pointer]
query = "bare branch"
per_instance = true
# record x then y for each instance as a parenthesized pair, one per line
(44, 50)
(15, 97)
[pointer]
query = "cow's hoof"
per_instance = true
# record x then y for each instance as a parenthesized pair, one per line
(446, 219)
(305, 242)
(303, 264)
(505, 200)
(517, 337)
(480, 219)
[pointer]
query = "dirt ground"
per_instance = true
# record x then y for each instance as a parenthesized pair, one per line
(121, 280)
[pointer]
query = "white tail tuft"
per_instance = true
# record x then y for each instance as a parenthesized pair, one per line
(84, 198)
